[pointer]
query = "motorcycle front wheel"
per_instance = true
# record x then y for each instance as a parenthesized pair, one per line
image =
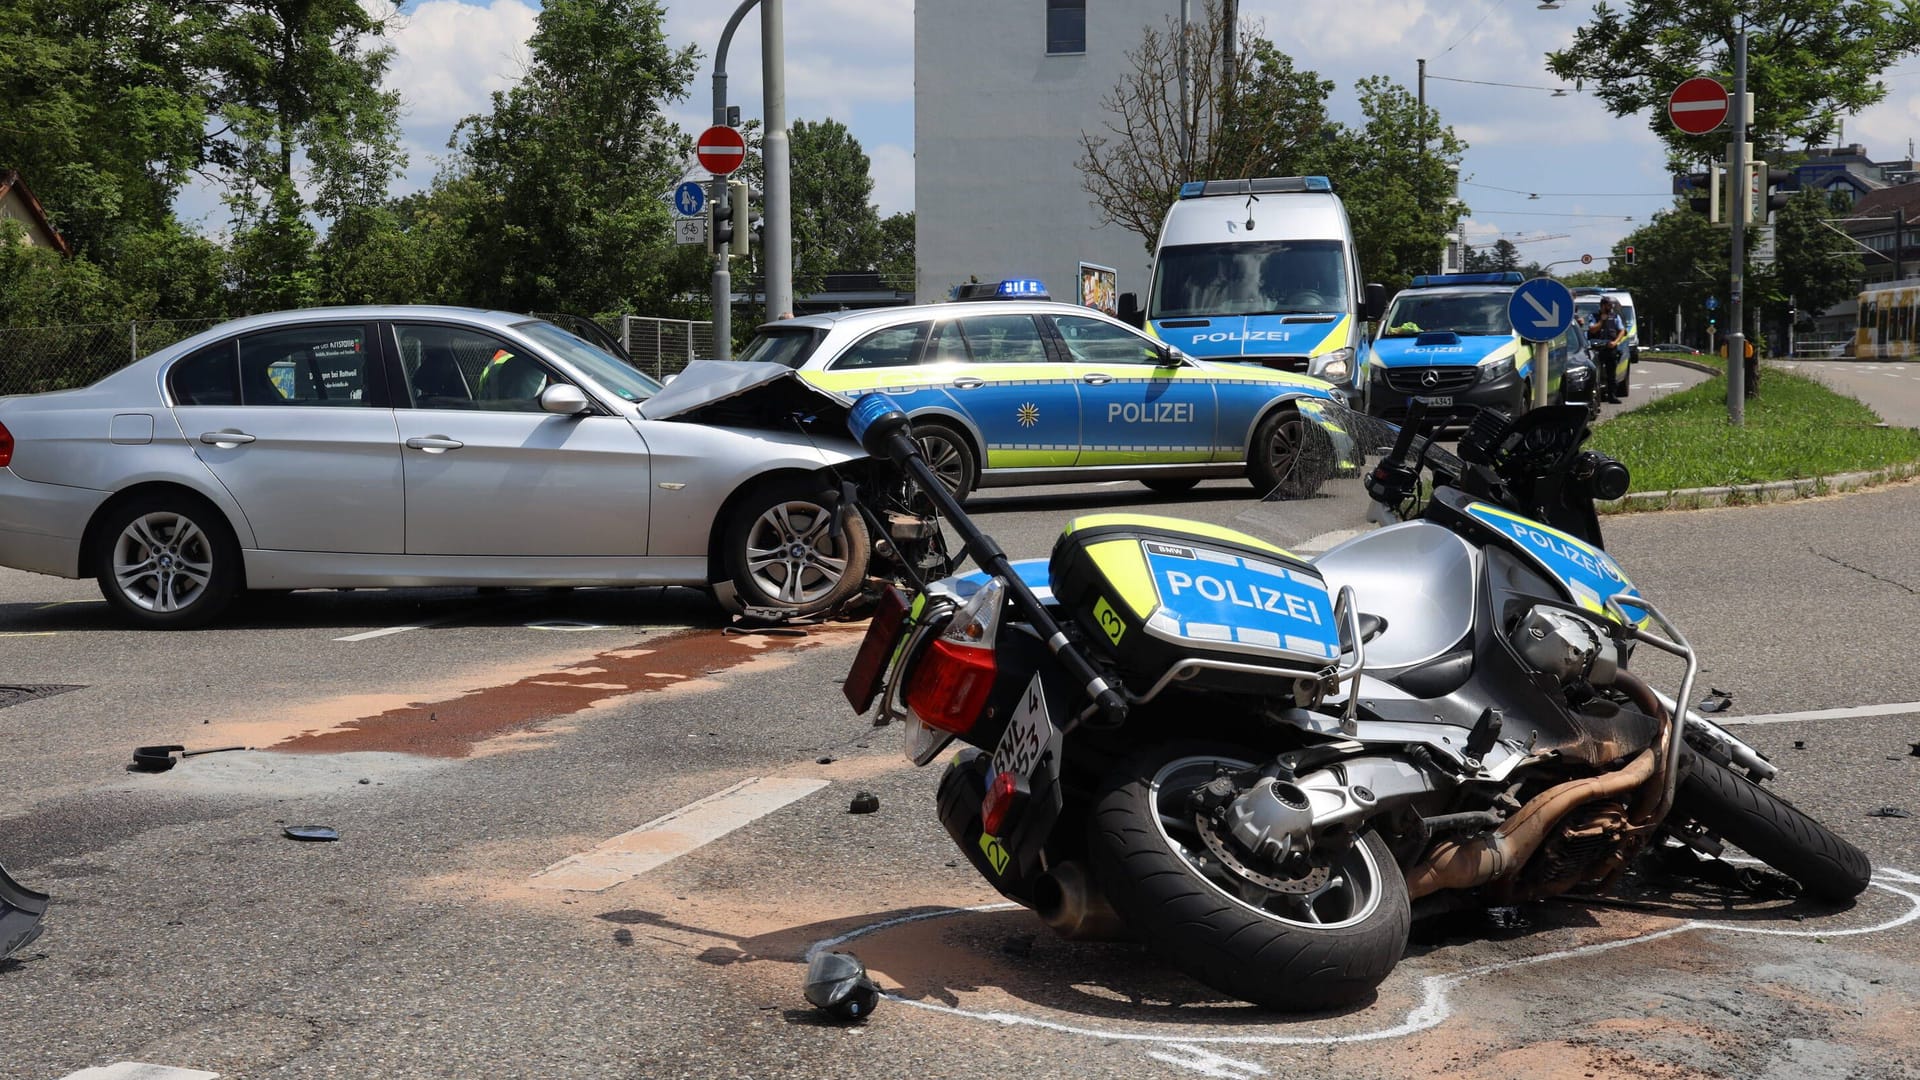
(1291, 939)
(1770, 829)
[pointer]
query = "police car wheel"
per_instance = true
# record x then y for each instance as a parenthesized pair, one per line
(1171, 485)
(1290, 457)
(949, 456)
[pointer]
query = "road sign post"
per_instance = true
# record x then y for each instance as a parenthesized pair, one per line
(1540, 310)
(689, 199)
(721, 150)
(1698, 105)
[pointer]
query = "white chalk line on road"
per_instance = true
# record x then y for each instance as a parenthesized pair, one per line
(1850, 713)
(672, 835)
(134, 1070)
(1435, 1005)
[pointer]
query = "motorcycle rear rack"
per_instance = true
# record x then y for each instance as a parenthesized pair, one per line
(1616, 606)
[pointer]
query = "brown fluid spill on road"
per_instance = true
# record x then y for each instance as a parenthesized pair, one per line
(455, 726)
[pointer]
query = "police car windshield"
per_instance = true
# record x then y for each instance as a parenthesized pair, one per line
(620, 378)
(1426, 313)
(1255, 277)
(786, 345)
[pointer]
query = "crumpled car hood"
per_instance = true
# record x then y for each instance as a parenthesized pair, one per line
(711, 387)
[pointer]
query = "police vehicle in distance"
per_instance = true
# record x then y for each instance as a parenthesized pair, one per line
(1447, 338)
(1006, 387)
(1263, 272)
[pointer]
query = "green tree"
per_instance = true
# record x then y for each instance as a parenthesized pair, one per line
(1398, 193)
(1813, 268)
(1809, 62)
(1680, 260)
(835, 226)
(567, 176)
(896, 264)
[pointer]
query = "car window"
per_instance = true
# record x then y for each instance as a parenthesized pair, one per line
(896, 346)
(326, 364)
(613, 374)
(453, 367)
(1422, 313)
(785, 345)
(208, 376)
(949, 345)
(1094, 341)
(1004, 339)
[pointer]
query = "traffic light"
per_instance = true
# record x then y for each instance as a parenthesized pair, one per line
(727, 224)
(1629, 254)
(1780, 186)
(1704, 191)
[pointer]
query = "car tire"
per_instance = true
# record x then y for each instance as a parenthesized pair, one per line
(167, 562)
(1171, 485)
(1290, 456)
(781, 551)
(949, 455)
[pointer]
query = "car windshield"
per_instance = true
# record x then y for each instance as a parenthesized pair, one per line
(613, 374)
(1265, 277)
(1425, 313)
(785, 345)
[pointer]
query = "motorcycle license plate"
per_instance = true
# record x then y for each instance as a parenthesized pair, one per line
(870, 663)
(1030, 746)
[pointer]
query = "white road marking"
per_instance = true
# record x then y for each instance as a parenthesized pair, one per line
(672, 835)
(134, 1070)
(1207, 1063)
(1825, 714)
(371, 634)
(1436, 990)
(572, 626)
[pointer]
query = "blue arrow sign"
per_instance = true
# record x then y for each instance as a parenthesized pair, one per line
(1713, 303)
(1541, 309)
(689, 199)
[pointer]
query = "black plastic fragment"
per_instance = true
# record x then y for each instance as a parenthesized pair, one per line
(1718, 700)
(866, 802)
(312, 832)
(837, 984)
(21, 910)
(1888, 811)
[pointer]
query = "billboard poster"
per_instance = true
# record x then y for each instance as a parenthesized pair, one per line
(1100, 288)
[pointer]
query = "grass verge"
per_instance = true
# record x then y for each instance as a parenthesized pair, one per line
(1796, 430)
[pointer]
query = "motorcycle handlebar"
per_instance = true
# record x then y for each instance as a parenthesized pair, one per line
(1416, 413)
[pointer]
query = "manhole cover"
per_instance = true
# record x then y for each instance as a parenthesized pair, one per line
(14, 695)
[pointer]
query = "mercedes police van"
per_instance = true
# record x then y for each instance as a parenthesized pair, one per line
(1262, 272)
(1447, 338)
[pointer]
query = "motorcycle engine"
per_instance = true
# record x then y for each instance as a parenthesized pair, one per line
(1566, 646)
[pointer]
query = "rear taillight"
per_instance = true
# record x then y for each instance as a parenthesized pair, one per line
(6, 447)
(1006, 796)
(951, 680)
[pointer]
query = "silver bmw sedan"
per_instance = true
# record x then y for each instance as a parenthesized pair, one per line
(418, 446)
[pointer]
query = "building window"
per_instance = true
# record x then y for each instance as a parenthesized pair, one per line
(1066, 26)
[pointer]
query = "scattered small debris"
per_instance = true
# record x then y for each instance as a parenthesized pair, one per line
(1718, 700)
(312, 832)
(160, 758)
(1888, 811)
(823, 759)
(1799, 744)
(1915, 752)
(866, 802)
(837, 984)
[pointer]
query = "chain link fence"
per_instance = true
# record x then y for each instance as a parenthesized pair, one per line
(36, 359)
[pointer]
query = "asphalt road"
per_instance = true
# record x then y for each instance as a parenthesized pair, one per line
(473, 751)
(1890, 388)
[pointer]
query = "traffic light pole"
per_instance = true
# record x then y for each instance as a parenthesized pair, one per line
(1737, 257)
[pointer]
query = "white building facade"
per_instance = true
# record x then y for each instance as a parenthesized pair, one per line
(1003, 90)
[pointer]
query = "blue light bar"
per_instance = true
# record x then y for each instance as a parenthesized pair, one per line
(1192, 189)
(1023, 289)
(1504, 277)
(1264, 185)
(1319, 183)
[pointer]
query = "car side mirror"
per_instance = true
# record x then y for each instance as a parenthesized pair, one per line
(1130, 312)
(565, 399)
(1376, 301)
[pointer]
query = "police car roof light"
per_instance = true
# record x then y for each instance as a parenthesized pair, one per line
(1264, 185)
(1504, 277)
(1008, 289)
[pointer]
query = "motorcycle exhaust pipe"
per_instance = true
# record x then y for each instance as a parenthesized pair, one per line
(1480, 860)
(1068, 901)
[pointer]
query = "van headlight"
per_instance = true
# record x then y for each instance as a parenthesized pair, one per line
(1498, 369)
(1334, 366)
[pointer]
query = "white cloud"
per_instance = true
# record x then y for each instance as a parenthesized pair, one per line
(892, 170)
(450, 56)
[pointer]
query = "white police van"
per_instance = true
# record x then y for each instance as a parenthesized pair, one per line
(1263, 272)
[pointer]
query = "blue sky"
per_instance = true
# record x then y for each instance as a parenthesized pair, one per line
(1559, 176)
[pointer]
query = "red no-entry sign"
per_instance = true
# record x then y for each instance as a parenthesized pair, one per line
(721, 150)
(1698, 105)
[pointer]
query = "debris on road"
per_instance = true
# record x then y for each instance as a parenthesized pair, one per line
(866, 802)
(1718, 700)
(21, 910)
(1888, 811)
(823, 759)
(1915, 752)
(160, 758)
(312, 832)
(837, 984)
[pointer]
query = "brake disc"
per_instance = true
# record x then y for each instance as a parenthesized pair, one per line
(1313, 881)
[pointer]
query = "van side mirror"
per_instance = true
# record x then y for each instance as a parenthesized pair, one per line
(1130, 312)
(1375, 304)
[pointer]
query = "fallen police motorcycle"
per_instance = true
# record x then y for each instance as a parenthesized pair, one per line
(1254, 763)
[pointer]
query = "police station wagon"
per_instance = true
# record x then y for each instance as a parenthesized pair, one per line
(1019, 391)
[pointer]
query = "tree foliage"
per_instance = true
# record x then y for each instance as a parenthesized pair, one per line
(835, 226)
(1809, 62)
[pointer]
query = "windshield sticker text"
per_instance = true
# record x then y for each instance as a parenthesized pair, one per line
(1249, 335)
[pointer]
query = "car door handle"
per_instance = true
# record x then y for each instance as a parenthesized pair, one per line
(434, 444)
(1096, 378)
(225, 438)
(968, 382)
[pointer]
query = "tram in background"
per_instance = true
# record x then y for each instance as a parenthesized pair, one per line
(1889, 322)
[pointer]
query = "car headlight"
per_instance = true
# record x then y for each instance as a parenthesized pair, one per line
(1334, 366)
(1499, 369)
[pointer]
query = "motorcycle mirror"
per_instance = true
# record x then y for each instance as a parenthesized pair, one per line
(837, 984)
(873, 422)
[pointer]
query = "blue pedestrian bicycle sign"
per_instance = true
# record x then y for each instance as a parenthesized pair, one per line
(1541, 309)
(689, 199)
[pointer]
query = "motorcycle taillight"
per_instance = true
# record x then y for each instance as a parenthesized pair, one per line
(951, 680)
(6, 447)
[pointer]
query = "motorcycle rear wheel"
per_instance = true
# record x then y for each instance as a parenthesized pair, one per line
(1770, 829)
(1280, 950)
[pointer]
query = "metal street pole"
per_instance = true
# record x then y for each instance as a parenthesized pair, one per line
(776, 238)
(1186, 94)
(1737, 257)
(722, 287)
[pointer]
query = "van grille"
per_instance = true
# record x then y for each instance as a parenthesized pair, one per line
(1296, 364)
(1447, 380)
